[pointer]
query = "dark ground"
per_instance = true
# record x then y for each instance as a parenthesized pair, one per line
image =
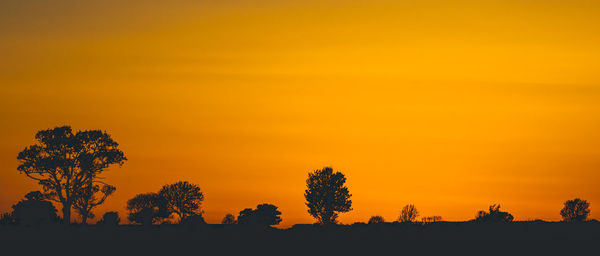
(444, 238)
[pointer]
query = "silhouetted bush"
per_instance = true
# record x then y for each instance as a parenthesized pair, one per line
(146, 209)
(263, 215)
(229, 219)
(110, 219)
(182, 198)
(494, 215)
(409, 214)
(34, 210)
(376, 219)
(6, 219)
(193, 220)
(356, 225)
(575, 210)
(431, 219)
(326, 195)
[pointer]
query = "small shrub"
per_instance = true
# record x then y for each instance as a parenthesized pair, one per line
(431, 219)
(229, 219)
(110, 219)
(6, 219)
(376, 219)
(34, 210)
(494, 215)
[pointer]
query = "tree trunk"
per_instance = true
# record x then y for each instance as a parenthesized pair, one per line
(66, 213)
(84, 218)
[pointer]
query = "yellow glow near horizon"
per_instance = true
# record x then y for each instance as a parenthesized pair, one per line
(448, 106)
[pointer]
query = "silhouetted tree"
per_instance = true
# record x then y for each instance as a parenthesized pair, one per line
(110, 219)
(193, 220)
(409, 213)
(245, 216)
(90, 196)
(63, 162)
(146, 209)
(229, 219)
(376, 219)
(182, 198)
(6, 218)
(34, 210)
(494, 215)
(575, 210)
(431, 219)
(263, 215)
(326, 195)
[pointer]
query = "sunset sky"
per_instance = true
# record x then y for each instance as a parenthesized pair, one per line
(448, 105)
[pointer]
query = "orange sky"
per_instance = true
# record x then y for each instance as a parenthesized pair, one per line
(448, 106)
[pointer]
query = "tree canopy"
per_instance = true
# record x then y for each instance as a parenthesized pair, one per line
(575, 210)
(326, 195)
(63, 162)
(409, 213)
(182, 198)
(494, 215)
(146, 209)
(376, 219)
(263, 215)
(229, 219)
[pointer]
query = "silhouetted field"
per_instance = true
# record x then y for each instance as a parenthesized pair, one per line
(516, 238)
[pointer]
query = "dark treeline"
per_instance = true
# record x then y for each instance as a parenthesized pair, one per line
(68, 167)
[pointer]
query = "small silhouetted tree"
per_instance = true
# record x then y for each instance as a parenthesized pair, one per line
(146, 209)
(431, 219)
(245, 216)
(376, 219)
(110, 219)
(575, 210)
(494, 215)
(6, 219)
(229, 219)
(182, 198)
(263, 215)
(193, 220)
(63, 162)
(409, 213)
(89, 197)
(326, 195)
(34, 210)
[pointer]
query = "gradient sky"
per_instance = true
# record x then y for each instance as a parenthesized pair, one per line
(448, 105)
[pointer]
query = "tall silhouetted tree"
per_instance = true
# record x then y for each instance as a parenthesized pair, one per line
(376, 219)
(409, 213)
(146, 209)
(90, 196)
(182, 198)
(494, 215)
(63, 162)
(34, 210)
(263, 215)
(326, 195)
(575, 210)
(229, 219)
